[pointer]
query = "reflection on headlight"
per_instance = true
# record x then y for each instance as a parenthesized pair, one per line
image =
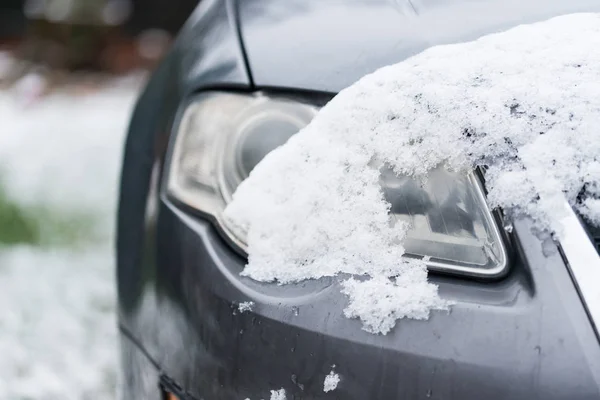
(223, 136)
(448, 219)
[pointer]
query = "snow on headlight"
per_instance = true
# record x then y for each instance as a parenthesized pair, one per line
(523, 103)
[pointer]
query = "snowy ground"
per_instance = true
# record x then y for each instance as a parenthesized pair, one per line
(59, 163)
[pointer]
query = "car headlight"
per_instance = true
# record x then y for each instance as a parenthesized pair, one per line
(221, 137)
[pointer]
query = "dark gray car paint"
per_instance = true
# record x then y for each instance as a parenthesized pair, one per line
(328, 45)
(524, 337)
(191, 65)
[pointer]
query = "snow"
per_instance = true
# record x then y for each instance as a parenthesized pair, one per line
(278, 394)
(30, 87)
(61, 153)
(65, 150)
(524, 103)
(58, 333)
(380, 301)
(245, 306)
(331, 382)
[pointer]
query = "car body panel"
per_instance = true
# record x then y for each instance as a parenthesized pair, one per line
(328, 45)
(525, 336)
(209, 50)
(190, 66)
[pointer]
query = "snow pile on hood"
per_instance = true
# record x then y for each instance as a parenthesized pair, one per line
(524, 103)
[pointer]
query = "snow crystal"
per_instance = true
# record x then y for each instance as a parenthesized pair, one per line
(331, 382)
(245, 306)
(278, 394)
(523, 103)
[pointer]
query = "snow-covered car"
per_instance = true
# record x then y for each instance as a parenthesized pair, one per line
(242, 78)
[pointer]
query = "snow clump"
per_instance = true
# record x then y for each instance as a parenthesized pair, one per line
(331, 382)
(278, 394)
(245, 306)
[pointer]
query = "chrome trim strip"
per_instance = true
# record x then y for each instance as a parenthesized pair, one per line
(583, 262)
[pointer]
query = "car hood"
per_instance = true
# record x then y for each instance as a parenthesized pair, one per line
(328, 45)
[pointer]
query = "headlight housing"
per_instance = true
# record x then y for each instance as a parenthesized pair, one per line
(221, 137)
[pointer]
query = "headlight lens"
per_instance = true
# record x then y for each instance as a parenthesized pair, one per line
(222, 136)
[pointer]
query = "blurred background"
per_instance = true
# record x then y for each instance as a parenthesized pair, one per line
(70, 72)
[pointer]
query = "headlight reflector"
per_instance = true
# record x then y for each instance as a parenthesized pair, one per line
(449, 218)
(222, 136)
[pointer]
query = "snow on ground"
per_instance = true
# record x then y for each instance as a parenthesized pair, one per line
(523, 103)
(65, 149)
(59, 163)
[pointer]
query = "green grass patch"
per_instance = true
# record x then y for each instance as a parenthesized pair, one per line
(42, 226)
(16, 224)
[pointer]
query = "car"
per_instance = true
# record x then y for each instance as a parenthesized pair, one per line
(192, 327)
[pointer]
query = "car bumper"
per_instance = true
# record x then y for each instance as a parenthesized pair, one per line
(522, 337)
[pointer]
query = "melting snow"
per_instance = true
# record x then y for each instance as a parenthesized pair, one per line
(523, 103)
